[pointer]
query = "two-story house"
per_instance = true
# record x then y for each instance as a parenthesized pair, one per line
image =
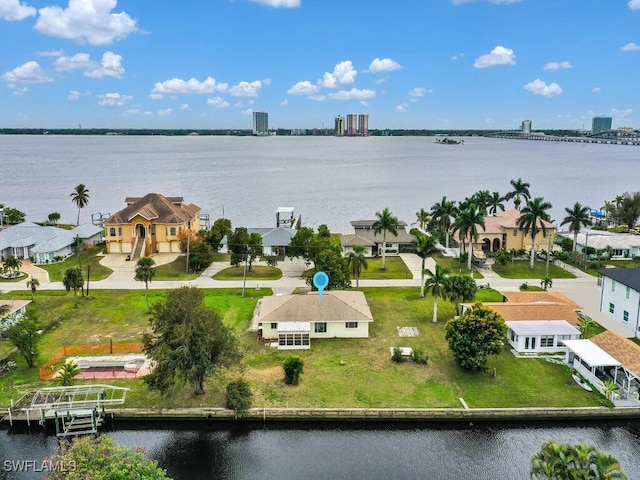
(620, 296)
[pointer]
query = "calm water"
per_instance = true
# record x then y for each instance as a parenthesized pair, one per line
(327, 179)
(353, 451)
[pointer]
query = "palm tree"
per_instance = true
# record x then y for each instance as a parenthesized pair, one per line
(357, 262)
(13, 264)
(495, 203)
(436, 284)
(546, 282)
(145, 273)
(422, 217)
(482, 199)
(386, 223)
(442, 213)
(73, 280)
(33, 284)
(577, 217)
(80, 197)
(532, 220)
(425, 246)
(520, 191)
(466, 224)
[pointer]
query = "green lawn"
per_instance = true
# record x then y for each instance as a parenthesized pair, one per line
(20, 277)
(520, 269)
(395, 268)
(454, 265)
(91, 256)
(258, 272)
(606, 264)
(175, 270)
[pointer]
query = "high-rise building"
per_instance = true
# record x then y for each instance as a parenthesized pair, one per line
(526, 126)
(260, 123)
(352, 124)
(600, 124)
(363, 124)
(339, 126)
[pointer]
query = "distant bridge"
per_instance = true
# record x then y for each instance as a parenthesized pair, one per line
(612, 137)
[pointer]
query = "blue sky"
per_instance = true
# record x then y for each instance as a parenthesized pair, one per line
(408, 64)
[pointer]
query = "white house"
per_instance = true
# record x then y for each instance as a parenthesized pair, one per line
(622, 245)
(293, 320)
(274, 240)
(620, 296)
(13, 309)
(540, 336)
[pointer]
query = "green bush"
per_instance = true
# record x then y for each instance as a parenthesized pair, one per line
(293, 367)
(239, 397)
(396, 356)
(418, 356)
(524, 286)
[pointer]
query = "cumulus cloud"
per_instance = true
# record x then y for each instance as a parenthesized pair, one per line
(364, 103)
(557, 65)
(217, 102)
(86, 21)
(113, 99)
(13, 10)
(499, 56)
(279, 3)
(621, 113)
(246, 89)
(247, 112)
(418, 92)
(28, 73)
(284, 103)
(634, 4)
(595, 90)
(457, 56)
(303, 88)
(317, 98)
(165, 112)
(538, 87)
(343, 74)
(184, 106)
(137, 111)
(20, 91)
(177, 86)
(630, 47)
(266, 82)
(403, 107)
(80, 61)
(50, 53)
(110, 67)
(76, 94)
(353, 94)
(383, 65)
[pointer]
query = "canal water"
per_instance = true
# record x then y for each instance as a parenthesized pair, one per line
(343, 450)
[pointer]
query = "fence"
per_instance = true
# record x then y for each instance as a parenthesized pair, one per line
(48, 370)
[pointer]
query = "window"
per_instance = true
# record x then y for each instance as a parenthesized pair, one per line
(625, 316)
(612, 308)
(530, 343)
(627, 293)
(515, 232)
(172, 231)
(613, 286)
(112, 232)
(119, 231)
(274, 326)
(293, 339)
(513, 336)
(320, 327)
(388, 245)
(546, 341)
(560, 340)
(352, 324)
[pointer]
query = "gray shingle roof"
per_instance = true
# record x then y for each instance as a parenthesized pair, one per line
(629, 277)
(39, 239)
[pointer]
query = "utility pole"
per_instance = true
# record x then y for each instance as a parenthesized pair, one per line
(188, 244)
(244, 275)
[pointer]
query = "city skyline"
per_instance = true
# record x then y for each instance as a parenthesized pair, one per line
(442, 64)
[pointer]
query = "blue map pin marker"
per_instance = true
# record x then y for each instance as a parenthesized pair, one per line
(320, 281)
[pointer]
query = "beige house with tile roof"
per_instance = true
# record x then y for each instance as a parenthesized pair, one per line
(365, 235)
(150, 224)
(293, 320)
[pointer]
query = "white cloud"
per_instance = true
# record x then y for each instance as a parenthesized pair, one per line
(50, 53)
(137, 111)
(266, 82)
(110, 67)
(284, 103)
(364, 104)
(343, 74)
(177, 86)
(247, 112)
(489, 121)
(113, 99)
(457, 57)
(595, 90)
(13, 10)
(499, 56)
(317, 98)
(165, 112)
(86, 21)
(30, 72)
(353, 94)
(538, 87)
(238, 104)
(630, 47)
(418, 92)
(634, 4)
(184, 106)
(381, 80)
(403, 107)
(557, 65)
(246, 89)
(383, 65)
(75, 94)
(80, 61)
(621, 113)
(20, 91)
(303, 88)
(279, 3)
(217, 102)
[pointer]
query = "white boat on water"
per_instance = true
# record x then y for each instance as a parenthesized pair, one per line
(580, 382)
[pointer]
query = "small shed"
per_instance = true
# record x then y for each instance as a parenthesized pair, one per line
(540, 336)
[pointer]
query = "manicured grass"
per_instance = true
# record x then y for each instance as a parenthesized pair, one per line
(258, 272)
(607, 264)
(488, 295)
(175, 270)
(520, 269)
(220, 257)
(531, 288)
(91, 256)
(395, 268)
(455, 266)
(20, 277)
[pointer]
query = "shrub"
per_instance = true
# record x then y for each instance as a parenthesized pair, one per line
(239, 397)
(293, 367)
(68, 372)
(396, 356)
(524, 286)
(418, 356)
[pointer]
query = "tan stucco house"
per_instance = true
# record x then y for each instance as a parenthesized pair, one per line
(150, 224)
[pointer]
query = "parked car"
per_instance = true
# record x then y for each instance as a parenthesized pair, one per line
(483, 285)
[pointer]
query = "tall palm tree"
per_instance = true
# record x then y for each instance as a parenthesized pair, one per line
(532, 220)
(80, 197)
(577, 217)
(425, 246)
(442, 213)
(73, 280)
(386, 222)
(422, 217)
(520, 191)
(436, 284)
(33, 284)
(145, 273)
(482, 199)
(495, 203)
(467, 223)
(357, 262)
